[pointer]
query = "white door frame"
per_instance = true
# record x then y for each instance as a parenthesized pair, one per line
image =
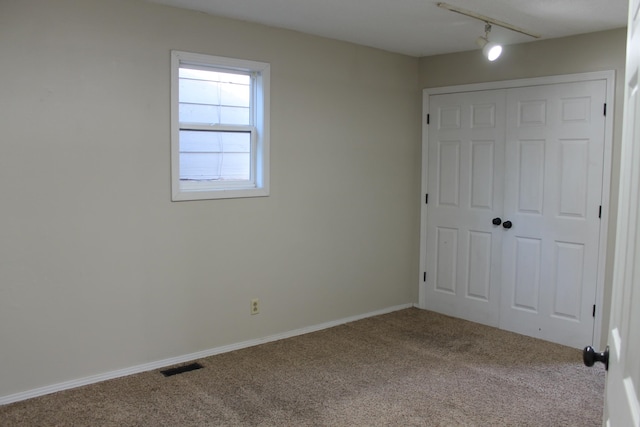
(609, 77)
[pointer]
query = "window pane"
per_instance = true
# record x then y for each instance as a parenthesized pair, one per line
(198, 74)
(213, 114)
(234, 115)
(214, 97)
(242, 79)
(197, 113)
(234, 94)
(235, 142)
(236, 167)
(200, 142)
(215, 155)
(199, 92)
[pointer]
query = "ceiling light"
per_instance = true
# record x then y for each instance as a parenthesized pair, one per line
(490, 50)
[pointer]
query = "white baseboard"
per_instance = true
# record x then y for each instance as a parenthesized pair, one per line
(41, 391)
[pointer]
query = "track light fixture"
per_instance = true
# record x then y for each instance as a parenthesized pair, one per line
(490, 50)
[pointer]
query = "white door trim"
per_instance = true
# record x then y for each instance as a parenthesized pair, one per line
(609, 77)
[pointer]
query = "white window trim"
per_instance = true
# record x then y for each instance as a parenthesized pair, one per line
(259, 187)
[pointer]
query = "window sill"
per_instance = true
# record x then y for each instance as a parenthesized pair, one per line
(181, 196)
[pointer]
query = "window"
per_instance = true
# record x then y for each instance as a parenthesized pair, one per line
(220, 127)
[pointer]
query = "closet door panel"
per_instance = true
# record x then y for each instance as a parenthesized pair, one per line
(465, 174)
(553, 188)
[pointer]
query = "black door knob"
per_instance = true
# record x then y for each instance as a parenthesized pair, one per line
(496, 221)
(590, 356)
(507, 224)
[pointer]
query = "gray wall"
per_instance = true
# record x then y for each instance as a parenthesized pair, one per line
(101, 271)
(578, 54)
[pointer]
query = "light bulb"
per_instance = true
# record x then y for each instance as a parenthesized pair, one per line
(492, 51)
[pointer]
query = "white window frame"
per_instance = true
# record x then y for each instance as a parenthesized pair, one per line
(258, 186)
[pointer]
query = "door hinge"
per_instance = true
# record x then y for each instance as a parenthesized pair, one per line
(600, 212)
(428, 118)
(424, 276)
(594, 310)
(426, 199)
(605, 108)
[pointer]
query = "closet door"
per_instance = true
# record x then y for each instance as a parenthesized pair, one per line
(465, 187)
(553, 191)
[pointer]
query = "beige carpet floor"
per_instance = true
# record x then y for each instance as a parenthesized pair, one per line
(407, 368)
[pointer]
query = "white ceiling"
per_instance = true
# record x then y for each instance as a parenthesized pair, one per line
(419, 27)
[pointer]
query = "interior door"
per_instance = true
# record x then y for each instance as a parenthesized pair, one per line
(465, 180)
(553, 191)
(622, 405)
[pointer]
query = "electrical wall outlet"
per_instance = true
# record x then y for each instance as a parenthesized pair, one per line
(255, 306)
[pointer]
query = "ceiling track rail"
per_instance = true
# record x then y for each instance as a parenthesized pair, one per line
(487, 19)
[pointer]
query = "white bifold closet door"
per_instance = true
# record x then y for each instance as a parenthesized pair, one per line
(515, 187)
